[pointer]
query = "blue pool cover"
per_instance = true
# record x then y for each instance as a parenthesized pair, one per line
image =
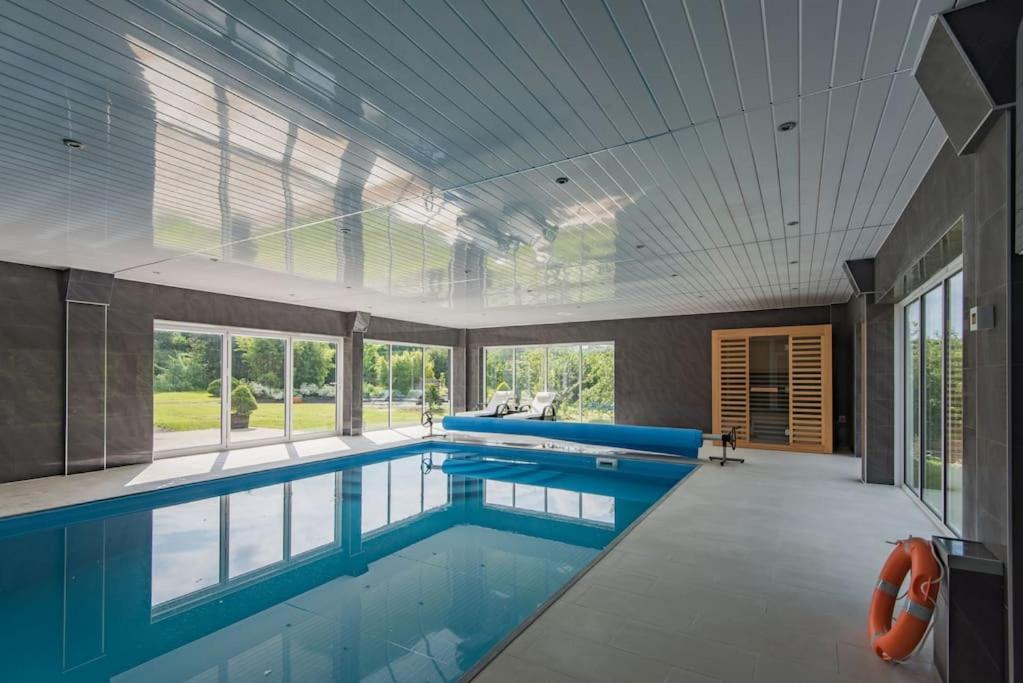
(404, 565)
(668, 440)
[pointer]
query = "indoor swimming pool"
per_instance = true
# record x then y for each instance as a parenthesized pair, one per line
(410, 564)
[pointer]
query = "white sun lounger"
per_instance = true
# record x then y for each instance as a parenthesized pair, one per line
(498, 403)
(541, 407)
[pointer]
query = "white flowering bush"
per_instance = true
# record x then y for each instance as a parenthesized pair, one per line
(309, 390)
(263, 391)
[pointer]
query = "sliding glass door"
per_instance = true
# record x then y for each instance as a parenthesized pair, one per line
(932, 355)
(258, 405)
(933, 398)
(213, 388)
(400, 382)
(314, 398)
(187, 368)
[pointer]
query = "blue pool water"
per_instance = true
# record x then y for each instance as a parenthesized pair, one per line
(404, 565)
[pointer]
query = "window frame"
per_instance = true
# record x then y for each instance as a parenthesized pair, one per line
(423, 348)
(227, 334)
(514, 348)
(901, 455)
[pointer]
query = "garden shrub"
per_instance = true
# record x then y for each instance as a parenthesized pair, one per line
(242, 401)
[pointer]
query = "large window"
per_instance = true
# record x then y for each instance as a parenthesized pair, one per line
(581, 375)
(186, 375)
(400, 382)
(932, 357)
(278, 386)
(314, 402)
(258, 404)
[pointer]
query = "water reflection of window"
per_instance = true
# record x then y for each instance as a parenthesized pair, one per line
(255, 529)
(186, 549)
(551, 502)
(312, 520)
(598, 508)
(401, 489)
(191, 541)
(406, 498)
(374, 496)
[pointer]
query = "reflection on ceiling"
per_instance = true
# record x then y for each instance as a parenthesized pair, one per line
(465, 162)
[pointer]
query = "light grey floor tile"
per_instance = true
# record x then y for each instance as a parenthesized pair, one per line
(710, 658)
(511, 669)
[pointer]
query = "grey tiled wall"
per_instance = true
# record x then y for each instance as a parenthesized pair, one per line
(86, 387)
(31, 372)
(976, 187)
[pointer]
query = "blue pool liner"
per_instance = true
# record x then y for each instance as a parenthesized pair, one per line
(666, 440)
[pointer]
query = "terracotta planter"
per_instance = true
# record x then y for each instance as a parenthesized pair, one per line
(239, 421)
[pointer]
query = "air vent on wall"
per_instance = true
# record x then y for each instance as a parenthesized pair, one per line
(964, 67)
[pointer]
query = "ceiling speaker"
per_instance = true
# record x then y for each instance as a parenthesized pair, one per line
(361, 322)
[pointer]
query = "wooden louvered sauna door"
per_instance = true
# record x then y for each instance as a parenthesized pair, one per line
(731, 386)
(808, 391)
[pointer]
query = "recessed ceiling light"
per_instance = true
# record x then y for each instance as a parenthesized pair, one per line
(786, 126)
(73, 144)
(561, 180)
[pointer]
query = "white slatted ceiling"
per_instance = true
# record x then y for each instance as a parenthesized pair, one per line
(244, 132)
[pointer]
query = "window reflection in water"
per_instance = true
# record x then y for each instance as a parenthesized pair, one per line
(203, 544)
(186, 549)
(401, 489)
(256, 529)
(309, 498)
(550, 502)
(207, 543)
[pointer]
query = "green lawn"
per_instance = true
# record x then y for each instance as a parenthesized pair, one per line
(374, 416)
(182, 411)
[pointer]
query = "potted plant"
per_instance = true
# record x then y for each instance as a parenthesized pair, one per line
(243, 403)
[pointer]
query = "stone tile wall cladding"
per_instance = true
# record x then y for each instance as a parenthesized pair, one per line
(976, 187)
(31, 372)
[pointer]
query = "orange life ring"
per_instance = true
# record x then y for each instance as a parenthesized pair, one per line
(897, 642)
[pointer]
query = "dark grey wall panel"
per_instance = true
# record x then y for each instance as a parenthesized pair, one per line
(977, 188)
(86, 387)
(31, 372)
(388, 329)
(662, 365)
